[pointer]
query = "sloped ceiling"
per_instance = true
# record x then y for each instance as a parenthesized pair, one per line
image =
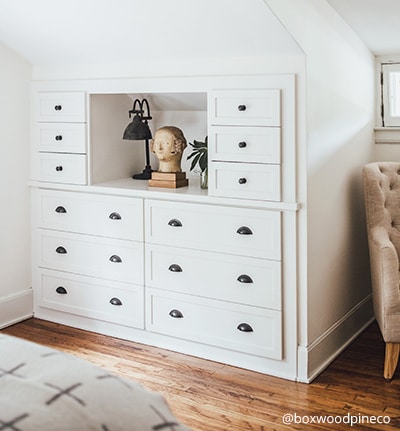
(377, 22)
(99, 31)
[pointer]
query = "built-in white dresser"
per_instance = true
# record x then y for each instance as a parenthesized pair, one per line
(209, 273)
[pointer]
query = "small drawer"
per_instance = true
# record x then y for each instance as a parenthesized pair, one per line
(61, 137)
(244, 144)
(89, 255)
(61, 107)
(93, 298)
(245, 181)
(60, 168)
(110, 216)
(245, 107)
(239, 231)
(240, 279)
(252, 330)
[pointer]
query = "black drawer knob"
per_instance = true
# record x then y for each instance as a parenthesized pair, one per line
(242, 181)
(175, 223)
(115, 259)
(58, 107)
(245, 327)
(115, 216)
(175, 268)
(59, 168)
(176, 314)
(61, 290)
(242, 108)
(59, 138)
(242, 144)
(115, 301)
(244, 230)
(61, 250)
(60, 210)
(244, 278)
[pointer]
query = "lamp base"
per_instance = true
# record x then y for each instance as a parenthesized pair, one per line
(145, 175)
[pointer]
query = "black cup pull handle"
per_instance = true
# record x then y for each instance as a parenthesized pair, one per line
(60, 210)
(175, 268)
(245, 327)
(242, 144)
(176, 314)
(61, 250)
(115, 259)
(61, 290)
(244, 230)
(115, 216)
(242, 108)
(175, 223)
(244, 278)
(115, 301)
(59, 138)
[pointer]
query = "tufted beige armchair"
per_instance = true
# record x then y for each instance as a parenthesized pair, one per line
(382, 204)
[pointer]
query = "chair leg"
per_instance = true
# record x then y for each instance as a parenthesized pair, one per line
(391, 359)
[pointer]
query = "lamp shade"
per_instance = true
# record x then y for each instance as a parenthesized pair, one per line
(137, 130)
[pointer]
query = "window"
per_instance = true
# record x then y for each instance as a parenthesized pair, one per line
(390, 97)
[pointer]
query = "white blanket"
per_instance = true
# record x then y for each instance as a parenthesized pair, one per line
(42, 389)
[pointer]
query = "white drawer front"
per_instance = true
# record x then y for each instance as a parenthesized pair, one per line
(215, 323)
(111, 216)
(89, 255)
(114, 302)
(238, 231)
(60, 168)
(245, 107)
(245, 144)
(61, 137)
(245, 180)
(60, 107)
(240, 279)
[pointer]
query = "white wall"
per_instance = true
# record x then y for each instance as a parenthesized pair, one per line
(340, 119)
(15, 76)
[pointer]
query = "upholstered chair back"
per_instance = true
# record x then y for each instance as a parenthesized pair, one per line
(382, 196)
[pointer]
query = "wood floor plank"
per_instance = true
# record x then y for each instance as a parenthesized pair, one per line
(208, 395)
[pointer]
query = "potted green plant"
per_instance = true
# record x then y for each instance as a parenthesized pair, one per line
(199, 156)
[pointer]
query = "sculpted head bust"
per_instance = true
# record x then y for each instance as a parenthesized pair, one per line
(168, 145)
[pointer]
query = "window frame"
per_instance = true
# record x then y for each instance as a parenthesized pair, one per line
(390, 94)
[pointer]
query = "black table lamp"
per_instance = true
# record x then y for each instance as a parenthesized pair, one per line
(139, 130)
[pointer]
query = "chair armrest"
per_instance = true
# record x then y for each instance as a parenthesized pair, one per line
(385, 271)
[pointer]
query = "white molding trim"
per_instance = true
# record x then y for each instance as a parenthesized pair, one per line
(387, 135)
(313, 359)
(15, 308)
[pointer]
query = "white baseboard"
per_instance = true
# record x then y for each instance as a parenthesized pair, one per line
(15, 308)
(313, 359)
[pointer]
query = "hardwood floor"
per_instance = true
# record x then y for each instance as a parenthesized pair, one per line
(209, 396)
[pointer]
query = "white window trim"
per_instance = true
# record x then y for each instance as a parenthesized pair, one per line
(387, 130)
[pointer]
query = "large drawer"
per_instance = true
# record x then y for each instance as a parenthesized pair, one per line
(113, 259)
(245, 181)
(245, 107)
(239, 231)
(61, 137)
(226, 277)
(255, 331)
(61, 107)
(60, 168)
(244, 144)
(93, 298)
(111, 216)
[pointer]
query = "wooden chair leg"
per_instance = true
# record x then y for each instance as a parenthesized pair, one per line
(391, 359)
